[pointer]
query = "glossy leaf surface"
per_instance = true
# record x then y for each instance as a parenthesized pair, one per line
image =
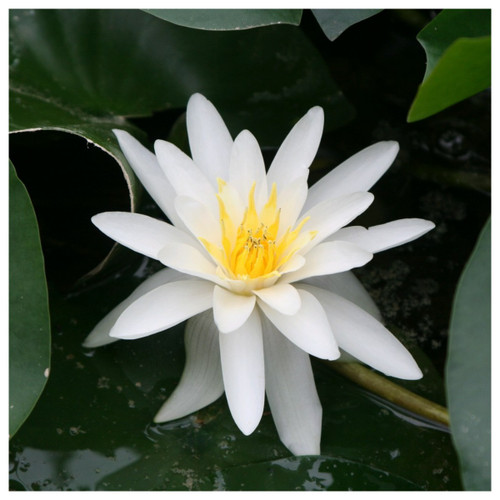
(29, 336)
(334, 22)
(227, 19)
(84, 70)
(468, 370)
(457, 44)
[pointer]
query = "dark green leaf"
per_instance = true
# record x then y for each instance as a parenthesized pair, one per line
(458, 49)
(468, 370)
(334, 22)
(29, 338)
(228, 19)
(447, 27)
(94, 67)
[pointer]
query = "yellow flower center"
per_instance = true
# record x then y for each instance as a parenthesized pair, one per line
(252, 249)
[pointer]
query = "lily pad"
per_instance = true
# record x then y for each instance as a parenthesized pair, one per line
(334, 22)
(457, 44)
(468, 369)
(29, 337)
(86, 70)
(228, 19)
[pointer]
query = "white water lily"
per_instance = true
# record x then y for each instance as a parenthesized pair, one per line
(260, 267)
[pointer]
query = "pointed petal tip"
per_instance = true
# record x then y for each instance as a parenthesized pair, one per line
(197, 97)
(163, 415)
(248, 426)
(412, 372)
(317, 111)
(332, 356)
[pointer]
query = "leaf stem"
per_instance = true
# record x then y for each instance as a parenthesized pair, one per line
(392, 392)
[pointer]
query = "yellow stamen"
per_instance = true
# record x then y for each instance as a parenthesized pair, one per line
(249, 248)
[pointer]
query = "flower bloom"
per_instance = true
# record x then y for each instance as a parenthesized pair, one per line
(260, 266)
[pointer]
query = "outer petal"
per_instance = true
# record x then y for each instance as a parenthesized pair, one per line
(330, 258)
(298, 149)
(330, 215)
(231, 310)
(209, 139)
(358, 173)
(365, 338)
(384, 236)
(162, 308)
(184, 175)
(99, 336)
(246, 167)
(242, 359)
(201, 382)
(188, 259)
(139, 232)
(348, 286)
(308, 329)
(291, 393)
(146, 167)
(282, 297)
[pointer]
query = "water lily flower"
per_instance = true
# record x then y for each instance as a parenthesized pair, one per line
(259, 265)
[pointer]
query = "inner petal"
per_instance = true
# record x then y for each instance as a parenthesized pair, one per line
(251, 249)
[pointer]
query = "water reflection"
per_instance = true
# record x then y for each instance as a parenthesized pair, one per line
(80, 470)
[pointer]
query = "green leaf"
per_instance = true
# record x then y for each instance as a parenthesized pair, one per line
(29, 338)
(334, 22)
(464, 70)
(468, 369)
(447, 27)
(93, 428)
(458, 49)
(228, 19)
(85, 69)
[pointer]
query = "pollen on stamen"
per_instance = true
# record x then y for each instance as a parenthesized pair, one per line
(249, 248)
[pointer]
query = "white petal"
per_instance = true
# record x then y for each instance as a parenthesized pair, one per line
(246, 167)
(330, 215)
(362, 336)
(330, 258)
(384, 236)
(348, 286)
(358, 173)
(99, 336)
(139, 232)
(188, 259)
(242, 360)
(291, 393)
(201, 382)
(209, 138)
(290, 200)
(162, 308)
(198, 218)
(282, 297)
(296, 262)
(231, 310)
(309, 328)
(298, 149)
(184, 175)
(147, 169)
